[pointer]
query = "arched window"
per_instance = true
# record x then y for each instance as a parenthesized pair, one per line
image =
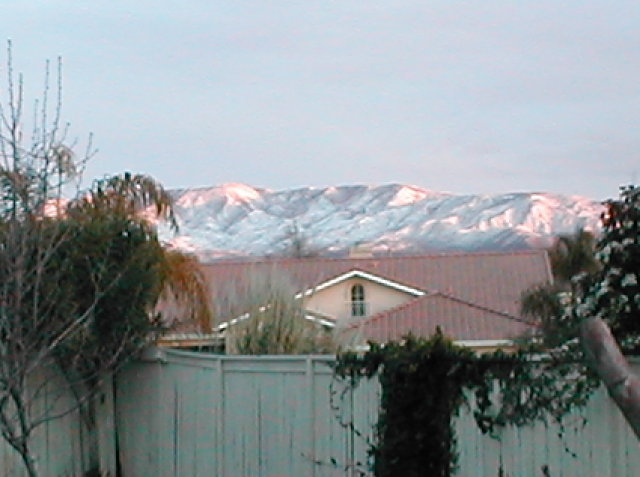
(357, 300)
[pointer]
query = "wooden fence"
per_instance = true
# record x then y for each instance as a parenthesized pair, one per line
(205, 415)
(190, 414)
(64, 447)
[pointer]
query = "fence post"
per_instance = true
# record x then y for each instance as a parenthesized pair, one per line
(311, 420)
(219, 417)
(105, 428)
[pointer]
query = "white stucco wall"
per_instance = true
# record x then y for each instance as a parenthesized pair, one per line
(335, 301)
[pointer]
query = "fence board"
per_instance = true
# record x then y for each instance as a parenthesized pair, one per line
(226, 416)
(63, 447)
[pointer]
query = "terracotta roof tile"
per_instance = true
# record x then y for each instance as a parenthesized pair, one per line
(469, 295)
(494, 280)
(458, 319)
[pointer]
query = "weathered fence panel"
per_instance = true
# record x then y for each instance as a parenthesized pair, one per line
(603, 447)
(232, 416)
(64, 447)
(201, 415)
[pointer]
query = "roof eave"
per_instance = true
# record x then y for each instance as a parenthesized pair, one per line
(365, 275)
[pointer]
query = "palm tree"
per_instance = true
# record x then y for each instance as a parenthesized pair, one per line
(141, 199)
(572, 255)
(572, 259)
(129, 194)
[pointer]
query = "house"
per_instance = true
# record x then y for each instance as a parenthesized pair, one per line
(473, 297)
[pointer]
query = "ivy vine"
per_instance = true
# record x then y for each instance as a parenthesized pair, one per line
(425, 382)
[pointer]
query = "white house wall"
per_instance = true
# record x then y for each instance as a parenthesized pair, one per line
(335, 301)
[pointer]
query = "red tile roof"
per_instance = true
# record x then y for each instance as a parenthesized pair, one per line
(456, 318)
(470, 296)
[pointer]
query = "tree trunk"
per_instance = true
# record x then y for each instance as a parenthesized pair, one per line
(606, 359)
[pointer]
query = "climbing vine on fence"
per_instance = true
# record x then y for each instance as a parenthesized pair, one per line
(426, 381)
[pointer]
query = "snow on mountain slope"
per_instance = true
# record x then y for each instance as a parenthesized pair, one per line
(239, 220)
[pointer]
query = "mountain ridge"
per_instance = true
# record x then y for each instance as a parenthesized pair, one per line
(238, 220)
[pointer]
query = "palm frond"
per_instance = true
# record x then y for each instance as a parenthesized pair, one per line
(572, 255)
(128, 194)
(183, 282)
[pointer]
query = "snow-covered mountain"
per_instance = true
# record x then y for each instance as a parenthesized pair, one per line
(240, 220)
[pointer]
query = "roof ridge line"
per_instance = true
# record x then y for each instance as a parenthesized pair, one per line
(431, 255)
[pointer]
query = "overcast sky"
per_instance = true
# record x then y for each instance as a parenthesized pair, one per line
(464, 96)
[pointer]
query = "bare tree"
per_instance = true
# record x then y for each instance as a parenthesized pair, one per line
(78, 282)
(33, 172)
(553, 304)
(297, 244)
